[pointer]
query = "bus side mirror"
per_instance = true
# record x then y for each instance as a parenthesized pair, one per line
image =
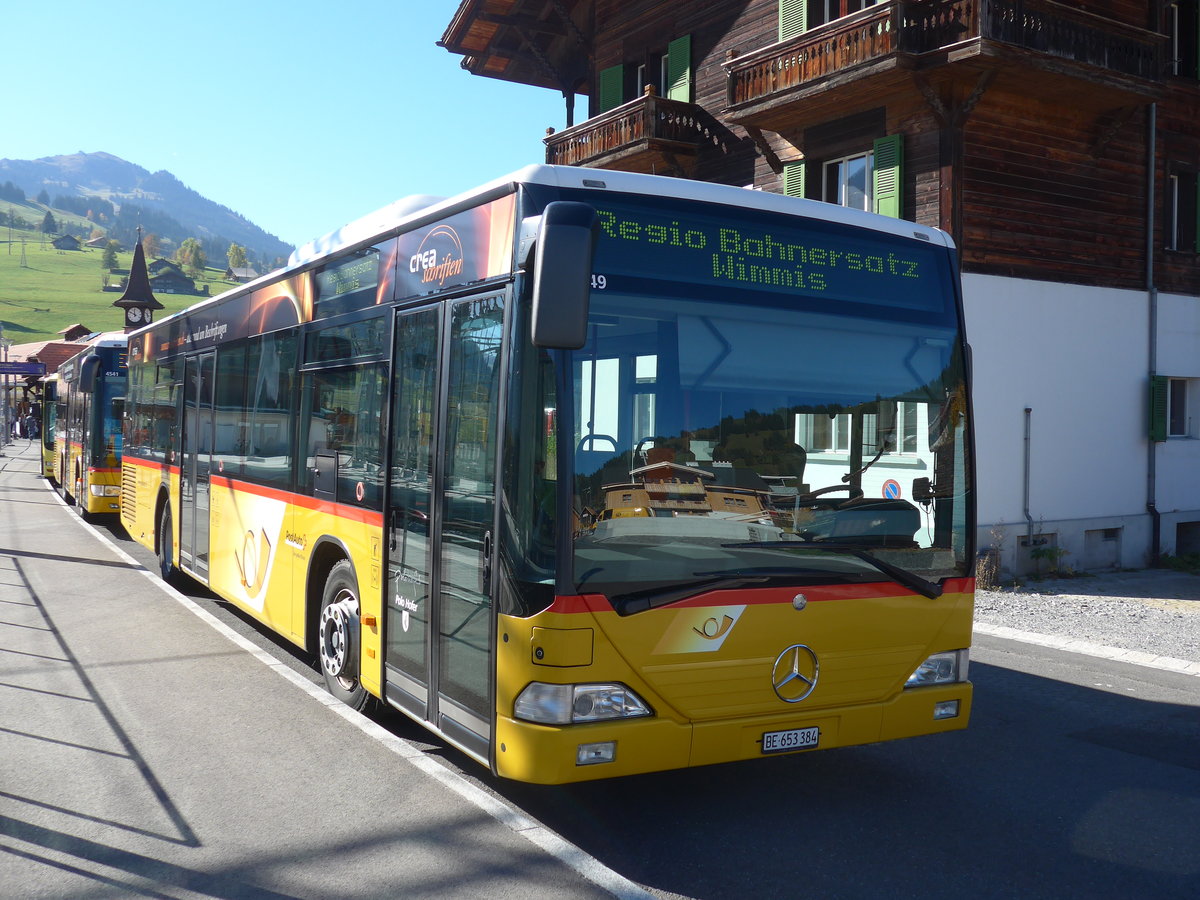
(88, 371)
(562, 274)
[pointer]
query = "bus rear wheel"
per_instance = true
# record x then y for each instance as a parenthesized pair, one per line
(166, 557)
(338, 637)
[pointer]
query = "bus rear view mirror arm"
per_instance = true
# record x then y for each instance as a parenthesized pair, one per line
(562, 274)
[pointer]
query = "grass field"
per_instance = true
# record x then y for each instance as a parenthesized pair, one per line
(44, 290)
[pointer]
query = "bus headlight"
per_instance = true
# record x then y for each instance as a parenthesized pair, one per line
(941, 668)
(572, 704)
(105, 490)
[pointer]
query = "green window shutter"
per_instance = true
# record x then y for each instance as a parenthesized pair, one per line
(612, 88)
(793, 179)
(793, 18)
(888, 176)
(1159, 385)
(679, 69)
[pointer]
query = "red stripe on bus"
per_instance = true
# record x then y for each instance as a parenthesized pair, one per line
(341, 510)
(151, 464)
(595, 603)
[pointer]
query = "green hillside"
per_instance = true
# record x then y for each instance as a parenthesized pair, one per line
(43, 290)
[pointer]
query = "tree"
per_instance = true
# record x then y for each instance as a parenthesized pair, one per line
(151, 245)
(49, 226)
(109, 258)
(43, 197)
(236, 256)
(190, 255)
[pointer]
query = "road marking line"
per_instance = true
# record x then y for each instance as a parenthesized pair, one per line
(517, 821)
(1075, 645)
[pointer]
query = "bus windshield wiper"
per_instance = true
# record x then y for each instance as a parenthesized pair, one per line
(900, 576)
(638, 601)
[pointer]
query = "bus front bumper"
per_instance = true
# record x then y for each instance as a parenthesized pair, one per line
(541, 754)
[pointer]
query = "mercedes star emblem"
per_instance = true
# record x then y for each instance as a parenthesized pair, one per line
(794, 675)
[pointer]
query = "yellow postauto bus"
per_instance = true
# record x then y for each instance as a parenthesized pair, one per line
(88, 427)
(591, 473)
(49, 385)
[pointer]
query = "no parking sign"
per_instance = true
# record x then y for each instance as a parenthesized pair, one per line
(891, 489)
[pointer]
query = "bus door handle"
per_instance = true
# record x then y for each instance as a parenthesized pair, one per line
(487, 562)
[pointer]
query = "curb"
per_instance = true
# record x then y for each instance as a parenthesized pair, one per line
(1087, 648)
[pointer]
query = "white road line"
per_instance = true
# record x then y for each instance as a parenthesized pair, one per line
(1074, 645)
(506, 814)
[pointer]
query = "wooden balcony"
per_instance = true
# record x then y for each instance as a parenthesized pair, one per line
(1038, 38)
(650, 134)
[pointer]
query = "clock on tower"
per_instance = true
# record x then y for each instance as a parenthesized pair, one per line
(138, 300)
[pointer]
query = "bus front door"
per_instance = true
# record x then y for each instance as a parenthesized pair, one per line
(441, 516)
(196, 463)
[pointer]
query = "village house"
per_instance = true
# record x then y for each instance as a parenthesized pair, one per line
(1057, 143)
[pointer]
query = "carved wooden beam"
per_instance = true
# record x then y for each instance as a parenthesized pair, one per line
(953, 116)
(764, 147)
(1108, 131)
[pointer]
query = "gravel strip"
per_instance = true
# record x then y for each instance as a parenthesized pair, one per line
(1153, 611)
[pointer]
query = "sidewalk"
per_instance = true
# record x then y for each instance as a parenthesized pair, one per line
(1142, 584)
(143, 752)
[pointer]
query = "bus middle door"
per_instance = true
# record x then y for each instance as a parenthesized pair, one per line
(196, 463)
(441, 516)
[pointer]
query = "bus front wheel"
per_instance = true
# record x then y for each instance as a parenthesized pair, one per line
(338, 637)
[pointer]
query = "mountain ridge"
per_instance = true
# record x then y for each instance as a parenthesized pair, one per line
(126, 184)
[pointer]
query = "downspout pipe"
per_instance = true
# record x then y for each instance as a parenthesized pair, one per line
(1152, 300)
(1028, 515)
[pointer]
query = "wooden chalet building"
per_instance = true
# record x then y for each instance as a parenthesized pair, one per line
(1057, 142)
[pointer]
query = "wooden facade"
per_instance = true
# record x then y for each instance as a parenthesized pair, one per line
(1028, 126)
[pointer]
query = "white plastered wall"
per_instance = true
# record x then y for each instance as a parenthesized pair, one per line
(1078, 358)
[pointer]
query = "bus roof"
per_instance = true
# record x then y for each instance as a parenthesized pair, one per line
(395, 215)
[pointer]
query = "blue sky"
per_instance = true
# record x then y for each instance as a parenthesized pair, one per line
(299, 114)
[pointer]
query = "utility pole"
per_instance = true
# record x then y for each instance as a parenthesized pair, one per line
(5, 425)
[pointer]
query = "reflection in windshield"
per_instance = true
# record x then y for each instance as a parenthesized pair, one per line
(704, 433)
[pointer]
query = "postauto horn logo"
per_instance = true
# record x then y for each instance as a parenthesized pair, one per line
(439, 257)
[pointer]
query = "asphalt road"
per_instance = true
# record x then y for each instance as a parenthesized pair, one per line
(1079, 776)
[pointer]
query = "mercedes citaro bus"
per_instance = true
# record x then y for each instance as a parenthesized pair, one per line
(591, 473)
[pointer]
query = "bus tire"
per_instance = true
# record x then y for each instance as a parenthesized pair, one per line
(166, 556)
(338, 637)
(81, 505)
(64, 484)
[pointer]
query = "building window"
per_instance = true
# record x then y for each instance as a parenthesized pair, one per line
(798, 16)
(825, 433)
(1179, 419)
(822, 11)
(1183, 24)
(669, 72)
(1182, 199)
(848, 181)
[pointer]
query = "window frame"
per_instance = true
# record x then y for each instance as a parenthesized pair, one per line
(1181, 210)
(842, 183)
(1179, 411)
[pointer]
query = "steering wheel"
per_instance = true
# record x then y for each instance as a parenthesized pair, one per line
(590, 439)
(854, 491)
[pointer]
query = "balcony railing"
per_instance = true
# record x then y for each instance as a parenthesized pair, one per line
(917, 27)
(650, 118)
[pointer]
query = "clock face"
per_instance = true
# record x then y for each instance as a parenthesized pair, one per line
(133, 314)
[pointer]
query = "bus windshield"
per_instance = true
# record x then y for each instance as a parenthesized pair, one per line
(732, 430)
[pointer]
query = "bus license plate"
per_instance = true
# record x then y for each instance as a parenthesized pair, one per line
(795, 739)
